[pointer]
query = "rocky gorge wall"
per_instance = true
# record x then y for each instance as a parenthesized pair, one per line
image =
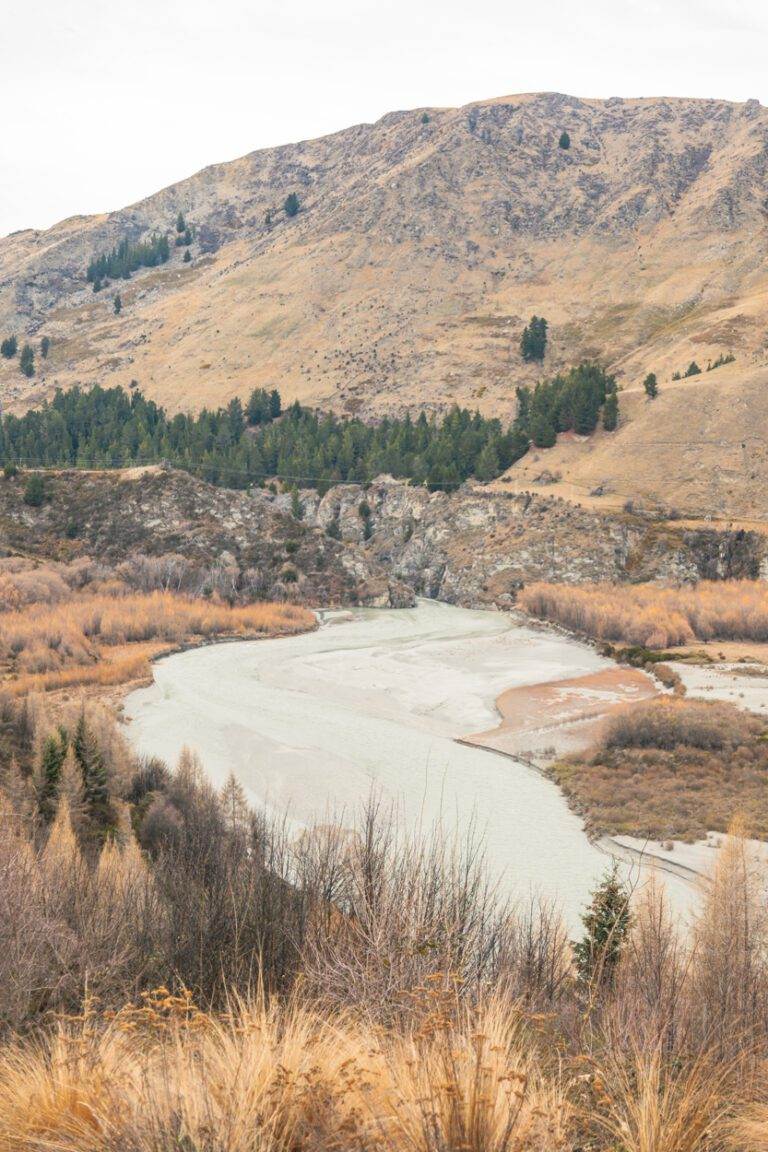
(380, 545)
(476, 547)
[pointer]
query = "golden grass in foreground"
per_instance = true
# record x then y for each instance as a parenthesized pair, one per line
(654, 616)
(280, 1078)
(62, 645)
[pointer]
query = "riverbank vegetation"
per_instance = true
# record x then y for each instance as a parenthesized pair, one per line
(67, 625)
(672, 769)
(178, 972)
(652, 615)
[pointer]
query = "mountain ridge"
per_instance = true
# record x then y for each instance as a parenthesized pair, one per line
(423, 244)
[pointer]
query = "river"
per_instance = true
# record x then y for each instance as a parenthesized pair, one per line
(375, 699)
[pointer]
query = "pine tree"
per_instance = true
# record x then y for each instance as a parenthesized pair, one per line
(118, 304)
(607, 922)
(693, 369)
(543, 431)
(487, 467)
(94, 773)
(9, 347)
(257, 409)
(564, 141)
(181, 224)
(291, 204)
(187, 256)
(275, 407)
(611, 412)
(533, 342)
(650, 384)
(45, 345)
(297, 511)
(51, 760)
(27, 360)
(34, 491)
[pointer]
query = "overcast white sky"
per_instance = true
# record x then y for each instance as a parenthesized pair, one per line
(105, 101)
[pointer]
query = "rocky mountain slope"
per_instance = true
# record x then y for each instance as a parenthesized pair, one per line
(474, 547)
(422, 245)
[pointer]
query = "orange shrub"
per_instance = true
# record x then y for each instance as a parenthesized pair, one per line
(60, 645)
(653, 615)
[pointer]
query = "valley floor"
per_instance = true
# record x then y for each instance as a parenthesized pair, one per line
(379, 700)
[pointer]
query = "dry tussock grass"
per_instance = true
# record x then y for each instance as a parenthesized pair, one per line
(279, 1077)
(654, 616)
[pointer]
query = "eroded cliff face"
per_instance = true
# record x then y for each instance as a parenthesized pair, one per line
(477, 548)
(379, 545)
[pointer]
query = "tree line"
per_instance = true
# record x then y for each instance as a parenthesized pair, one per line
(239, 445)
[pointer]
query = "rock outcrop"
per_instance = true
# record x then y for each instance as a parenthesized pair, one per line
(379, 545)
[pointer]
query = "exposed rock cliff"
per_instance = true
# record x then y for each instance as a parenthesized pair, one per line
(379, 546)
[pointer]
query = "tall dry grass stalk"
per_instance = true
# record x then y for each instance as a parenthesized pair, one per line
(647, 1104)
(654, 616)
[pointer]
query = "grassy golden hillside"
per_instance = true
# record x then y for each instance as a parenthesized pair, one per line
(420, 250)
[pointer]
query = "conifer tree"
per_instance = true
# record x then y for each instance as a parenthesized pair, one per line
(9, 347)
(297, 511)
(291, 204)
(565, 141)
(51, 760)
(533, 342)
(650, 384)
(257, 410)
(275, 407)
(94, 773)
(27, 360)
(187, 256)
(34, 491)
(181, 224)
(611, 412)
(20, 790)
(234, 804)
(45, 345)
(543, 431)
(487, 467)
(607, 922)
(71, 788)
(118, 304)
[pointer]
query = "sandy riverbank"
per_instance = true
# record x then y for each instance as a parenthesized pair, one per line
(542, 721)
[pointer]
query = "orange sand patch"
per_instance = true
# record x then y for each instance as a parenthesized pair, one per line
(541, 721)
